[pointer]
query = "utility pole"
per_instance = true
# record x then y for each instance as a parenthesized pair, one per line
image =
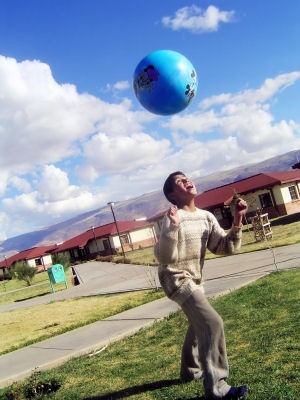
(111, 204)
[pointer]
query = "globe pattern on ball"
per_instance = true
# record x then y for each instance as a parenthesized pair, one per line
(165, 82)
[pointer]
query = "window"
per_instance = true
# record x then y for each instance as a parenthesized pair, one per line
(124, 239)
(293, 192)
(265, 200)
(106, 244)
(38, 262)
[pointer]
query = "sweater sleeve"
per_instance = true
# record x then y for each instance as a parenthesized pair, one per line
(222, 243)
(166, 250)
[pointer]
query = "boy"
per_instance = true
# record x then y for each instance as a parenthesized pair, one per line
(186, 233)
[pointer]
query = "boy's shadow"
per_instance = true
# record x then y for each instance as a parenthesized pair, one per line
(122, 394)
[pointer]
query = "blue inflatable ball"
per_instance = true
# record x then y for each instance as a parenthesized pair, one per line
(165, 82)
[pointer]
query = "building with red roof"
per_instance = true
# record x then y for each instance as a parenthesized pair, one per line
(276, 193)
(39, 257)
(103, 240)
(109, 239)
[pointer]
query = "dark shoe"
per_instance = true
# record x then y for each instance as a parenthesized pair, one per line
(235, 393)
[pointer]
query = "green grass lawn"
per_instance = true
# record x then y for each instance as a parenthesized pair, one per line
(262, 329)
(15, 290)
(19, 328)
(13, 284)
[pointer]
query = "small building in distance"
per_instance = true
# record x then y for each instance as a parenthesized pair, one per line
(107, 240)
(276, 193)
(39, 257)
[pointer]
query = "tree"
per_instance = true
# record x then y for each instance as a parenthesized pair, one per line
(62, 259)
(23, 272)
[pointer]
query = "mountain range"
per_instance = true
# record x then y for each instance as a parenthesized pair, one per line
(144, 206)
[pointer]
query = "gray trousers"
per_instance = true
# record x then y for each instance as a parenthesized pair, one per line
(204, 349)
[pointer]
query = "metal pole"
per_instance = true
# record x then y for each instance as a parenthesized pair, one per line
(93, 228)
(115, 221)
(6, 267)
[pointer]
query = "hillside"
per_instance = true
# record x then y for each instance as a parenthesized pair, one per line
(146, 205)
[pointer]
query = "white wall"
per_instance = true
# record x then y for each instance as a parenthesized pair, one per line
(285, 193)
(134, 237)
(253, 199)
(46, 260)
(114, 241)
(280, 196)
(141, 234)
(31, 263)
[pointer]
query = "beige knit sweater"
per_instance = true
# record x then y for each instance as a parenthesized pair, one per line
(181, 250)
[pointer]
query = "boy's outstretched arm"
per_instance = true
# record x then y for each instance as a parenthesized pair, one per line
(222, 243)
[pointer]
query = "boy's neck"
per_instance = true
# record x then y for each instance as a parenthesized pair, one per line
(190, 206)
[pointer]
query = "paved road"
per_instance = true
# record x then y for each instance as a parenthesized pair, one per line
(221, 274)
(97, 278)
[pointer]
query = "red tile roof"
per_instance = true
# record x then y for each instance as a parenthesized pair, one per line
(225, 193)
(28, 254)
(102, 231)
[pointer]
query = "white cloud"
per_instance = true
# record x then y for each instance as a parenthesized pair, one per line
(121, 85)
(53, 196)
(196, 20)
(118, 119)
(86, 173)
(4, 176)
(111, 154)
(54, 134)
(118, 86)
(5, 222)
(246, 116)
(22, 185)
(197, 122)
(29, 206)
(39, 119)
(44, 122)
(269, 88)
(54, 185)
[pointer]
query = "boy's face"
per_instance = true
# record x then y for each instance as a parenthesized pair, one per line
(183, 189)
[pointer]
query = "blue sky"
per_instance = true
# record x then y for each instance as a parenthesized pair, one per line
(72, 134)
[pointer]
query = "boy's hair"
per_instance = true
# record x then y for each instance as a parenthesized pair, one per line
(168, 185)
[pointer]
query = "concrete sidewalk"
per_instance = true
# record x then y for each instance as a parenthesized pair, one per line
(18, 364)
(221, 274)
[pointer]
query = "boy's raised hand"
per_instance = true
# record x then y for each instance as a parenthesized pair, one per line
(173, 215)
(241, 207)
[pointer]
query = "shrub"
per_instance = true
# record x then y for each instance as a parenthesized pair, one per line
(62, 259)
(36, 388)
(105, 258)
(124, 260)
(7, 276)
(23, 272)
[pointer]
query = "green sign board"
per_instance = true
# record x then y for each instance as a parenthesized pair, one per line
(56, 274)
